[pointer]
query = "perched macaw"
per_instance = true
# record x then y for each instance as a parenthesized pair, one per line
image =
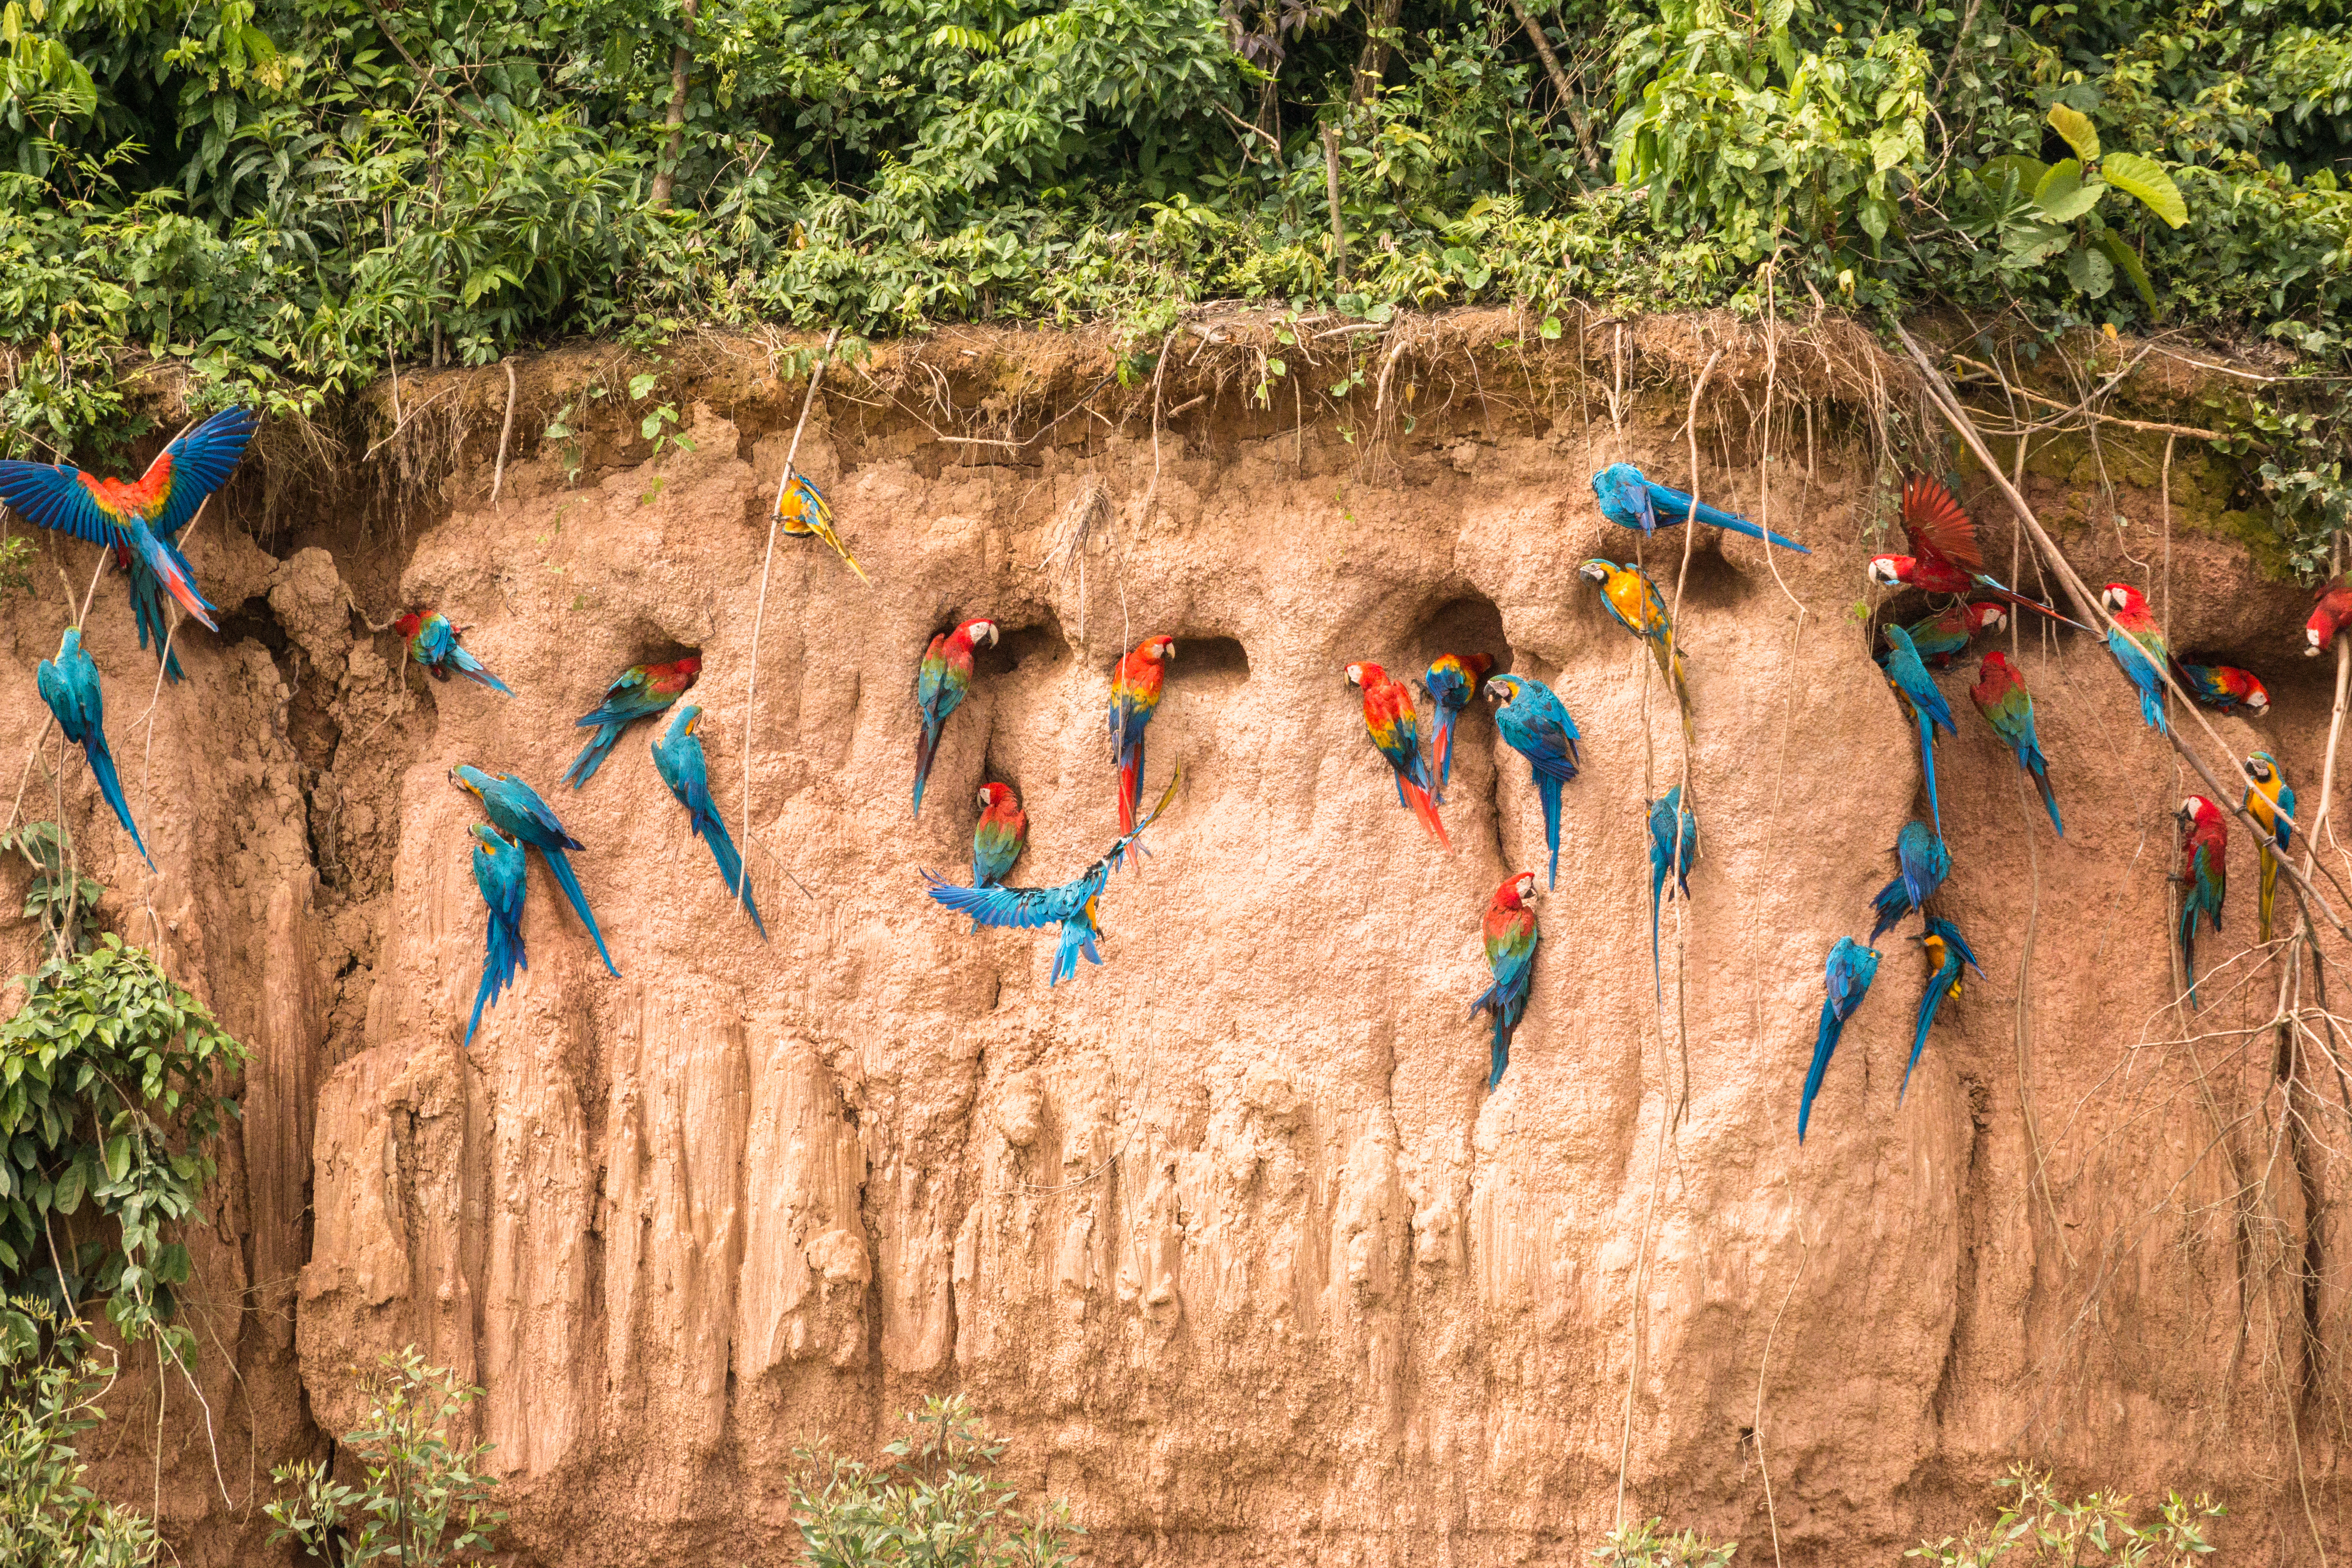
(2204, 876)
(1674, 842)
(144, 518)
(1535, 724)
(1943, 638)
(1072, 903)
(1135, 684)
(1944, 556)
(498, 872)
(1511, 936)
(1629, 596)
(1000, 835)
(677, 757)
(1631, 500)
(68, 684)
(1946, 952)
(1922, 862)
(518, 812)
(1847, 976)
(2224, 687)
(2138, 645)
(2001, 696)
(1452, 680)
(804, 513)
(2333, 609)
(433, 643)
(638, 692)
(2270, 801)
(1390, 719)
(1918, 696)
(941, 681)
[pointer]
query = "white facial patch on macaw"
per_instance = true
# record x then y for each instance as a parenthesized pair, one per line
(2188, 807)
(986, 800)
(986, 629)
(1355, 675)
(2113, 598)
(1528, 886)
(1882, 572)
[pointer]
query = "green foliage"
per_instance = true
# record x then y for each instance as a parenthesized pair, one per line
(1642, 1546)
(2039, 1527)
(51, 1379)
(421, 1500)
(15, 567)
(111, 1080)
(58, 894)
(930, 1501)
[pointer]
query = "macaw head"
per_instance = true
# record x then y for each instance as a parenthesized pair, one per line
(406, 625)
(979, 632)
(1476, 665)
(1159, 649)
(687, 720)
(470, 778)
(1515, 893)
(1996, 663)
(490, 837)
(2197, 811)
(1616, 476)
(2122, 598)
(1598, 571)
(992, 796)
(2256, 694)
(1985, 614)
(1362, 673)
(1892, 571)
(68, 644)
(688, 667)
(1503, 690)
(2262, 767)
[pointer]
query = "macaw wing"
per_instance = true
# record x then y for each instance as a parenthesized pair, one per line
(53, 496)
(1937, 526)
(1511, 954)
(1551, 745)
(2282, 829)
(524, 801)
(435, 638)
(1019, 908)
(1851, 968)
(500, 873)
(58, 693)
(1633, 494)
(202, 461)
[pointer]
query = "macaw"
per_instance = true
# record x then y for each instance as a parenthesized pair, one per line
(147, 606)
(499, 866)
(2204, 876)
(2270, 801)
(1944, 556)
(1946, 952)
(1631, 500)
(1511, 936)
(1535, 724)
(1943, 638)
(1452, 680)
(677, 757)
(999, 836)
(804, 513)
(517, 810)
(2223, 687)
(1390, 719)
(941, 681)
(1674, 841)
(2334, 608)
(68, 684)
(638, 692)
(2001, 696)
(1918, 698)
(141, 520)
(433, 643)
(2138, 643)
(1073, 904)
(1847, 976)
(1135, 684)
(1629, 596)
(1922, 862)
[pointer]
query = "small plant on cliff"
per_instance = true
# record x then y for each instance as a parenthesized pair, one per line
(49, 1393)
(2041, 1527)
(1642, 1546)
(931, 1500)
(421, 1500)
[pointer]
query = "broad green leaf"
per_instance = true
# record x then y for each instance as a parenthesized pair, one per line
(2075, 203)
(2076, 128)
(118, 1157)
(2090, 272)
(65, 1197)
(2127, 261)
(2032, 244)
(2146, 179)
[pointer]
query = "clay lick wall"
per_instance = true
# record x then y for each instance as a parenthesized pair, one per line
(1227, 1235)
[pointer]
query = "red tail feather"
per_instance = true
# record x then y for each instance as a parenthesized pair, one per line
(1129, 787)
(1426, 809)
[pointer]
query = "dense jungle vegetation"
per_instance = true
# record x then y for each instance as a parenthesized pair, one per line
(286, 194)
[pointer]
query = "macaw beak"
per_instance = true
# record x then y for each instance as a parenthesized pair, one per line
(1882, 573)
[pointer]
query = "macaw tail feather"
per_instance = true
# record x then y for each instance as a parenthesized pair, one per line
(147, 607)
(2010, 595)
(501, 956)
(2151, 708)
(1130, 785)
(1824, 1042)
(1928, 762)
(825, 533)
(1658, 972)
(1500, 1055)
(173, 573)
(475, 670)
(1078, 934)
(2268, 898)
(560, 866)
(1547, 790)
(1426, 809)
(2049, 799)
(730, 871)
(101, 764)
(1725, 519)
(927, 747)
(592, 755)
(2189, 950)
(1444, 747)
(1937, 987)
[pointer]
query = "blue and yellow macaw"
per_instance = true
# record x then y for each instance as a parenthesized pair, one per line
(2270, 801)
(518, 812)
(1452, 681)
(498, 872)
(1922, 863)
(1947, 951)
(638, 692)
(1630, 597)
(1673, 843)
(804, 513)
(1631, 500)
(1922, 703)
(140, 521)
(1533, 723)
(1510, 935)
(677, 757)
(68, 684)
(1847, 976)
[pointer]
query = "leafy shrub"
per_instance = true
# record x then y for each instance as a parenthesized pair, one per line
(2039, 1526)
(48, 1394)
(930, 1501)
(1642, 1546)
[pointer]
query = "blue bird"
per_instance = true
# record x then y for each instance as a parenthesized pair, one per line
(433, 643)
(1533, 723)
(68, 684)
(498, 872)
(1629, 499)
(677, 757)
(1947, 952)
(1920, 700)
(638, 692)
(1922, 863)
(520, 814)
(1674, 841)
(1847, 976)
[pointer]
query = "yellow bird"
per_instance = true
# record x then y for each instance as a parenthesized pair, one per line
(2270, 803)
(1629, 596)
(803, 512)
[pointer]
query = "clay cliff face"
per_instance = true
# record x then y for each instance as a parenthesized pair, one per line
(1227, 1235)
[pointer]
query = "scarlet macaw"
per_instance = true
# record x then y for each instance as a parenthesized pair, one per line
(2223, 687)
(2270, 801)
(941, 681)
(2138, 645)
(2001, 696)
(68, 684)
(1135, 683)
(2204, 876)
(1631, 500)
(1511, 933)
(1944, 556)
(1452, 681)
(1847, 976)
(1390, 720)
(638, 692)
(1534, 724)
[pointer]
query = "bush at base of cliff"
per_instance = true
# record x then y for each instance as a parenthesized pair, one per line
(930, 1501)
(47, 1518)
(2041, 1527)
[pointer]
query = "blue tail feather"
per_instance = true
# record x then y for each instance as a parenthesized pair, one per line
(592, 755)
(101, 764)
(730, 871)
(1549, 789)
(1927, 761)
(560, 866)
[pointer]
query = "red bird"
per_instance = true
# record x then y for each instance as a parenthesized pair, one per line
(2334, 609)
(2204, 870)
(1944, 556)
(1395, 730)
(1135, 684)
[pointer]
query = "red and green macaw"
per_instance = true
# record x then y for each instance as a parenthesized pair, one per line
(68, 684)
(2001, 696)
(2270, 801)
(498, 873)
(2224, 687)
(1452, 681)
(804, 513)
(139, 520)
(433, 643)
(2334, 607)
(941, 681)
(1534, 722)
(2138, 645)
(999, 836)
(1946, 952)
(638, 692)
(1633, 600)
(2204, 876)
(1942, 639)
(1395, 730)
(1944, 558)
(1135, 684)
(1846, 979)
(1511, 933)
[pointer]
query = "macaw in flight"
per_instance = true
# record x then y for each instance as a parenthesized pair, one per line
(2270, 801)
(498, 873)
(1631, 499)
(1944, 556)
(1395, 730)
(1511, 933)
(2138, 645)
(677, 757)
(1946, 952)
(1633, 601)
(2204, 876)
(433, 643)
(515, 808)
(2001, 696)
(1534, 722)
(804, 513)
(1452, 681)
(638, 692)
(68, 684)
(941, 681)
(1135, 684)
(1847, 976)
